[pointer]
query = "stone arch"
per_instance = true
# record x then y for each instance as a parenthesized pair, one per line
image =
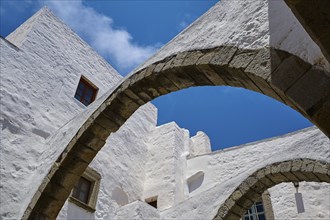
(251, 189)
(272, 72)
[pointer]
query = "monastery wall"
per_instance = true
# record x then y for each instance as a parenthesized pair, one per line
(266, 23)
(165, 170)
(38, 82)
(315, 197)
(200, 144)
(220, 165)
(225, 170)
(122, 163)
(39, 116)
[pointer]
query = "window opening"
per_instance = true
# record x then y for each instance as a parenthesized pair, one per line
(86, 91)
(256, 212)
(152, 201)
(82, 189)
(84, 193)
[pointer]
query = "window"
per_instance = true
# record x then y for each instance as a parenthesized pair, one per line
(84, 194)
(82, 189)
(256, 212)
(152, 201)
(86, 91)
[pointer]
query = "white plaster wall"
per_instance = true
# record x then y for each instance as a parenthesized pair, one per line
(219, 165)
(248, 24)
(137, 210)
(75, 212)
(316, 197)
(200, 144)
(166, 165)
(38, 82)
(18, 36)
(225, 170)
(121, 163)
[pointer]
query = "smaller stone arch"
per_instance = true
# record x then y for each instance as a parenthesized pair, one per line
(251, 189)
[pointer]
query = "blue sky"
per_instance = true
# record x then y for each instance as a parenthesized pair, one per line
(126, 33)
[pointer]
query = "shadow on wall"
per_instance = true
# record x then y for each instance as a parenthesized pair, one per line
(119, 196)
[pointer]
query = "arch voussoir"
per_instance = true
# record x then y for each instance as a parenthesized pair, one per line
(321, 170)
(308, 88)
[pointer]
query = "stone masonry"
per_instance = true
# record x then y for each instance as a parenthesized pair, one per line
(263, 70)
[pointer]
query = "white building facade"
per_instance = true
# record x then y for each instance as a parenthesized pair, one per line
(144, 171)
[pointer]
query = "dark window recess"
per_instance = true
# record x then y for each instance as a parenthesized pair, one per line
(256, 212)
(152, 201)
(86, 92)
(82, 189)
(153, 204)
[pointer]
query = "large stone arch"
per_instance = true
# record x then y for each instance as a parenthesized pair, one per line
(272, 72)
(251, 189)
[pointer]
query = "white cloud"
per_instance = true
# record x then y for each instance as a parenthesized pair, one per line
(97, 29)
(185, 22)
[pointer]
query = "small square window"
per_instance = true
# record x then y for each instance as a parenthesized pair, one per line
(84, 194)
(86, 91)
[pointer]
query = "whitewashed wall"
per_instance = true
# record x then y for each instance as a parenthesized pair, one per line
(251, 24)
(122, 164)
(166, 165)
(200, 144)
(38, 82)
(225, 170)
(316, 198)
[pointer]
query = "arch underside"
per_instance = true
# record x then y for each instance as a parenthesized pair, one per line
(275, 73)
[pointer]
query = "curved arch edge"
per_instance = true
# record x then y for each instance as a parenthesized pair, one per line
(251, 189)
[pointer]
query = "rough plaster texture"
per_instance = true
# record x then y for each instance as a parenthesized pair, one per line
(121, 163)
(316, 197)
(37, 89)
(166, 165)
(225, 170)
(137, 210)
(38, 82)
(200, 144)
(71, 211)
(103, 132)
(250, 24)
(309, 143)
